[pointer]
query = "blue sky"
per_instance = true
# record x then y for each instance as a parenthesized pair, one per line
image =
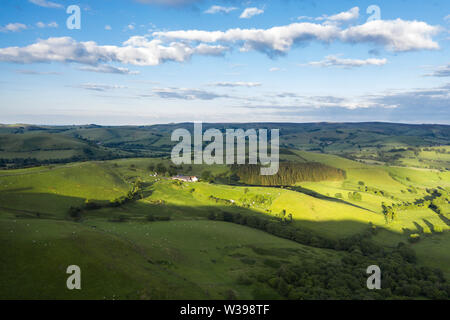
(155, 61)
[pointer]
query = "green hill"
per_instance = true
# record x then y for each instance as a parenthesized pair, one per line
(140, 235)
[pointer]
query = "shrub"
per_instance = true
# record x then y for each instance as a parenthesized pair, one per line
(244, 280)
(91, 205)
(414, 237)
(212, 216)
(162, 218)
(119, 218)
(75, 213)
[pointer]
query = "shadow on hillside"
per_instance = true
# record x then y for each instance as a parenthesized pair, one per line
(418, 227)
(429, 224)
(38, 205)
(323, 234)
(407, 231)
(444, 219)
(17, 190)
(53, 206)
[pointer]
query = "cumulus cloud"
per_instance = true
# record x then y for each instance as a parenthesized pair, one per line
(335, 61)
(180, 46)
(46, 4)
(46, 25)
(250, 12)
(108, 27)
(442, 71)
(220, 9)
(274, 40)
(13, 27)
(237, 84)
(394, 35)
(136, 51)
(345, 16)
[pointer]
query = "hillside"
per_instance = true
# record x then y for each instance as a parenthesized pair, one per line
(346, 196)
(211, 240)
(388, 143)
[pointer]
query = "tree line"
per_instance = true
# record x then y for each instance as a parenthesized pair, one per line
(344, 279)
(135, 193)
(289, 173)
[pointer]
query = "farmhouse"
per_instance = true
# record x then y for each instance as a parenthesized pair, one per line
(185, 178)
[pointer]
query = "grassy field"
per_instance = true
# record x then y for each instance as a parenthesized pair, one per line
(125, 252)
(199, 259)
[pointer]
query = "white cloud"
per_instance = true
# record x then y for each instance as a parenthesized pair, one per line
(274, 69)
(46, 4)
(333, 60)
(180, 46)
(104, 68)
(304, 18)
(184, 94)
(413, 104)
(45, 25)
(130, 26)
(33, 72)
(250, 12)
(13, 27)
(108, 27)
(447, 17)
(99, 87)
(169, 2)
(277, 39)
(237, 84)
(345, 16)
(395, 35)
(442, 71)
(136, 51)
(208, 50)
(220, 9)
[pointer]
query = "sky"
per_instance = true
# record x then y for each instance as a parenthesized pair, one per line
(140, 62)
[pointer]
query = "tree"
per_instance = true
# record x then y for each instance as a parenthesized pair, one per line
(161, 168)
(212, 216)
(172, 171)
(206, 175)
(75, 212)
(283, 287)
